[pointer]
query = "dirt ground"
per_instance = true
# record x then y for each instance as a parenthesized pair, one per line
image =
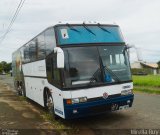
(16, 113)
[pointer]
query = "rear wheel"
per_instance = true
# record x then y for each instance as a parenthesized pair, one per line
(21, 89)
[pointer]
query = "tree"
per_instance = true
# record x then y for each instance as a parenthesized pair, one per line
(1, 69)
(158, 64)
(4, 66)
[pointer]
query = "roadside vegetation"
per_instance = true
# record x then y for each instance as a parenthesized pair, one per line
(147, 83)
(63, 127)
(5, 67)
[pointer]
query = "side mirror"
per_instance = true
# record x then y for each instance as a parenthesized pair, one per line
(127, 47)
(60, 57)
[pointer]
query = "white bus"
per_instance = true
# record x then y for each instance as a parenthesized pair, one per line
(75, 70)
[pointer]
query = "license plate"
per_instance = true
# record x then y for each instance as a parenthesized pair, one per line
(123, 107)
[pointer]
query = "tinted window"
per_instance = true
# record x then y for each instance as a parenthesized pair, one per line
(50, 40)
(116, 60)
(53, 74)
(32, 50)
(49, 68)
(22, 53)
(41, 46)
(26, 53)
(81, 63)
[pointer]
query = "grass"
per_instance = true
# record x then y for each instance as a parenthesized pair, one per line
(22, 98)
(147, 90)
(149, 80)
(148, 84)
(63, 127)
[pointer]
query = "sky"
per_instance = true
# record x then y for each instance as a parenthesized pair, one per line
(139, 21)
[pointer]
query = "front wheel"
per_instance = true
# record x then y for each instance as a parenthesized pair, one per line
(49, 105)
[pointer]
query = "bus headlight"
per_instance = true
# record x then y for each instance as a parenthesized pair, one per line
(79, 100)
(75, 100)
(126, 92)
(83, 99)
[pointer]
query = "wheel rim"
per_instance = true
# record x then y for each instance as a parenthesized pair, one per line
(49, 102)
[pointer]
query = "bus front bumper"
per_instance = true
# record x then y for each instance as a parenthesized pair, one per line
(97, 106)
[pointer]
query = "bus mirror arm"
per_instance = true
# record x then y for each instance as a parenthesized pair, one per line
(129, 46)
(60, 57)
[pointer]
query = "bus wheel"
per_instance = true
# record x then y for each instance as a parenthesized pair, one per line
(18, 88)
(49, 105)
(21, 90)
(48, 100)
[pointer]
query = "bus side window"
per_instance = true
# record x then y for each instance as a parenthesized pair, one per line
(49, 69)
(26, 53)
(55, 71)
(22, 54)
(50, 40)
(32, 50)
(41, 49)
(53, 74)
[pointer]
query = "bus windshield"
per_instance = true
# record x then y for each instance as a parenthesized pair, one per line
(95, 65)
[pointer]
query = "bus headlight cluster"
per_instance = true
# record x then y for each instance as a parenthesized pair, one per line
(126, 92)
(76, 100)
(79, 100)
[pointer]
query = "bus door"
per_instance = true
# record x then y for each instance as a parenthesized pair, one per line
(53, 76)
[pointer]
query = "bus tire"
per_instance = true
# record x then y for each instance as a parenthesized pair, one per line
(50, 108)
(48, 101)
(23, 90)
(16, 84)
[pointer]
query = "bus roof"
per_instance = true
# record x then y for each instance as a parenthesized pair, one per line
(65, 23)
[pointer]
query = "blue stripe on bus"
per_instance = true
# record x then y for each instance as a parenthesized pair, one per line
(95, 107)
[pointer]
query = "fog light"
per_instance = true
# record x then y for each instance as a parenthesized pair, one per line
(75, 111)
(128, 101)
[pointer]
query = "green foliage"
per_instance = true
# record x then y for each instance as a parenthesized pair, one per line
(149, 80)
(149, 90)
(1, 69)
(158, 64)
(5, 67)
(148, 84)
(138, 70)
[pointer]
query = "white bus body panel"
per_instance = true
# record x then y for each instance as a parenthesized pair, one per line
(35, 82)
(34, 89)
(98, 91)
(37, 68)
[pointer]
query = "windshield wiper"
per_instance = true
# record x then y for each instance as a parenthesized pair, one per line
(93, 78)
(84, 25)
(71, 28)
(100, 26)
(109, 70)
